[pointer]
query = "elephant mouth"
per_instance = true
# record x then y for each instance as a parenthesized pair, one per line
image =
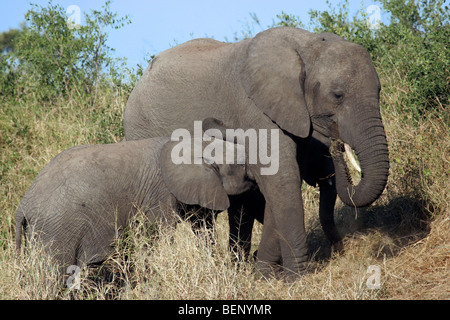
(326, 125)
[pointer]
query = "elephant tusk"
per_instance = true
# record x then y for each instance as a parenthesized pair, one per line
(351, 158)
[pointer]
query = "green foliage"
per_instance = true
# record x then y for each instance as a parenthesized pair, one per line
(7, 39)
(50, 57)
(337, 21)
(289, 20)
(417, 40)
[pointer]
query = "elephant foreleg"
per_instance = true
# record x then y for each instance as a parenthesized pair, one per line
(326, 212)
(269, 248)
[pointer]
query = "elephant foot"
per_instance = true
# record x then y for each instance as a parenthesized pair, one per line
(337, 248)
(307, 267)
(267, 271)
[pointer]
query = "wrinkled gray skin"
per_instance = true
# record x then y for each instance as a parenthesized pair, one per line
(284, 78)
(83, 199)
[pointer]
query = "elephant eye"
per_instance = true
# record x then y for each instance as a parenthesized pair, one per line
(338, 96)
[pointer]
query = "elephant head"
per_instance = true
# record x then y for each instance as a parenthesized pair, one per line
(304, 81)
(205, 181)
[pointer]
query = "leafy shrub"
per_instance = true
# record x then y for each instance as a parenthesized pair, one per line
(50, 57)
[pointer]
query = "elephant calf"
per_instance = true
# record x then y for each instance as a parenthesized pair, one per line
(81, 201)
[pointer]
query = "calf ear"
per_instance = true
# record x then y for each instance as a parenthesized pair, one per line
(190, 183)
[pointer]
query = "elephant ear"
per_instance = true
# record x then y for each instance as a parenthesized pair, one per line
(195, 184)
(273, 76)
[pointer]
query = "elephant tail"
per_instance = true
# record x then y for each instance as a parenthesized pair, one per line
(20, 225)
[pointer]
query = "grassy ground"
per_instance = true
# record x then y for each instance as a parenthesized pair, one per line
(405, 234)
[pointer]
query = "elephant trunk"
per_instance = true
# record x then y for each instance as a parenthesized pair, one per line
(372, 152)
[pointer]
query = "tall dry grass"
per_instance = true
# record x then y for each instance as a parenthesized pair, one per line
(405, 233)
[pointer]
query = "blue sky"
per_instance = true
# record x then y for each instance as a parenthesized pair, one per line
(158, 25)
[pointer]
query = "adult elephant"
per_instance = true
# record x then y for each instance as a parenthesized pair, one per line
(283, 78)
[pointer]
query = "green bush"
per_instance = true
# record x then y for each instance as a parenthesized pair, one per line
(50, 57)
